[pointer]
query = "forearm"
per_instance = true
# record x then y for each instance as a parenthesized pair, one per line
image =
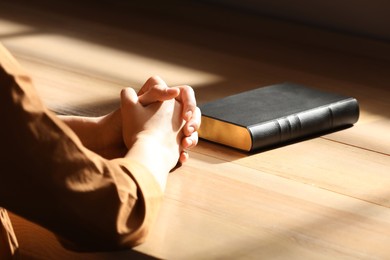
(102, 135)
(55, 181)
(94, 203)
(86, 128)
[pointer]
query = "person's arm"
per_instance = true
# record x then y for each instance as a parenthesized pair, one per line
(102, 135)
(55, 181)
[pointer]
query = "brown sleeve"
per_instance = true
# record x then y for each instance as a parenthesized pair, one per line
(53, 180)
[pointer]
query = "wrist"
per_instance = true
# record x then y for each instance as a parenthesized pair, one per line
(159, 160)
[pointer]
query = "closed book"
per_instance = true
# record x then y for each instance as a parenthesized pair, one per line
(276, 114)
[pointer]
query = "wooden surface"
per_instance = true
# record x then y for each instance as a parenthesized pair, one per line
(322, 198)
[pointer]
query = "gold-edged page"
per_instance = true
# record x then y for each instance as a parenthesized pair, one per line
(225, 133)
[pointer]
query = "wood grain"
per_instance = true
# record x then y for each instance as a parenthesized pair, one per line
(326, 197)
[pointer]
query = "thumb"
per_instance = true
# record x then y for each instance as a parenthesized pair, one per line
(128, 97)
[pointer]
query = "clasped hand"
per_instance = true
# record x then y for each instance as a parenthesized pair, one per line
(158, 124)
(157, 119)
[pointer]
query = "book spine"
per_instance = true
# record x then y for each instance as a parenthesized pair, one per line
(303, 124)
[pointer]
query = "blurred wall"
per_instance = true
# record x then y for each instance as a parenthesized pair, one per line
(362, 17)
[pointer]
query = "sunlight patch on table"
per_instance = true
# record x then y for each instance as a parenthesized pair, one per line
(102, 61)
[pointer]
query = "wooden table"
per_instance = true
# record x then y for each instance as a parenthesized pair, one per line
(323, 198)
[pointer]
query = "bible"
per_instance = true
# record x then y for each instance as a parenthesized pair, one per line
(274, 115)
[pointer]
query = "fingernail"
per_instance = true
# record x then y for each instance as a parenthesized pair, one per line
(191, 129)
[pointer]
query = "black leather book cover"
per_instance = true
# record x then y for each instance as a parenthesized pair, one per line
(275, 114)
